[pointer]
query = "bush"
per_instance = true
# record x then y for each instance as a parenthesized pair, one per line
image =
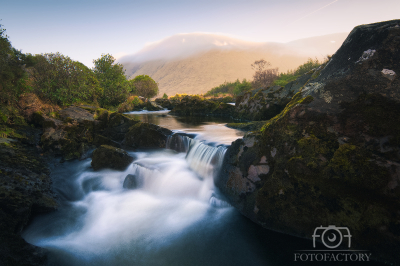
(144, 85)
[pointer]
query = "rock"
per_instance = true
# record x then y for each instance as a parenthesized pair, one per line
(118, 125)
(101, 140)
(179, 142)
(130, 182)
(145, 135)
(110, 157)
(196, 106)
(29, 104)
(332, 156)
(25, 191)
(75, 113)
(152, 106)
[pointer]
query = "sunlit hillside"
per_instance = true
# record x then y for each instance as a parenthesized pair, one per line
(194, 63)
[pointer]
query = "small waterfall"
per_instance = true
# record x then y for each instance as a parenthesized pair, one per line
(179, 142)
(205, 160)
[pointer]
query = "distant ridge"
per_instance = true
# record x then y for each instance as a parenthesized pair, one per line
(196, 62)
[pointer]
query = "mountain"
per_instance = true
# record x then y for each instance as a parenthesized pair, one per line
(196, 62)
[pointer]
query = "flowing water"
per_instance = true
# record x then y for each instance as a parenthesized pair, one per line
(174, 217)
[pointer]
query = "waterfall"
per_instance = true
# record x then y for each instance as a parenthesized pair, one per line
(203, 159)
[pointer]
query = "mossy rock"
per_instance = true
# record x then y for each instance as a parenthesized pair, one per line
(110, 157)
(332, 155)
(145, 135)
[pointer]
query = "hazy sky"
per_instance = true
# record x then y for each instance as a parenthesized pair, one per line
(84, 29)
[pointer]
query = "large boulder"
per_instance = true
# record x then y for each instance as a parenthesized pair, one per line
(196, 106)
(110, 157)
(118, 125)
(145, 135)
(332, 156)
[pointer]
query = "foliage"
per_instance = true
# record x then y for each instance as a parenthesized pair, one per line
(63, 81)
(291, 75)
(242, 87)
(263, 76)
(13, 78)
(112, 80)
(135, 100)
(307, 66)
(230, 87)
(144, 85)
(165, 96)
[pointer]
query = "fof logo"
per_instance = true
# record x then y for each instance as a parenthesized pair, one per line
(331, 236)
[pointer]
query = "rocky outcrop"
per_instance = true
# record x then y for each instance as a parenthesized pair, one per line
(196, 106)
(110, 157)
(265, 103)
(145, 135)
(25, 191)
(80, 128)
(332, 156)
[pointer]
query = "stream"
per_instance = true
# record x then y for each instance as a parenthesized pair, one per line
(175, 217)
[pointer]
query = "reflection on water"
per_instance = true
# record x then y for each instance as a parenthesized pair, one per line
(209, 128)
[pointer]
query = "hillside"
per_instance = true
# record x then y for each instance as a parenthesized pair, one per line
(194, 63)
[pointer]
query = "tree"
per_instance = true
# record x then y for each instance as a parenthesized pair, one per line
(263, 76)
(165, 96)
(13, 76)
(64, 81)
(145, 86)
(112, 80)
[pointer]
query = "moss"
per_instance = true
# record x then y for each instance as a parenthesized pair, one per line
(250, 126)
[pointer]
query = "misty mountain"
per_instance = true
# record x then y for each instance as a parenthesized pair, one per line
(196, 62)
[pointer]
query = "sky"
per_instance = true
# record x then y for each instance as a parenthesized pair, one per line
(86, 29)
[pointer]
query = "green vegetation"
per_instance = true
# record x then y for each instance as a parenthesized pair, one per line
(13, 77)
(58, 80)
(291, 75)
(143, 85)
(63, 81)
(112, 79)
(234, 88)
(165, 96)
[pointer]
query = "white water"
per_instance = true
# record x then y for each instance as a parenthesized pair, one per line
(174, 217)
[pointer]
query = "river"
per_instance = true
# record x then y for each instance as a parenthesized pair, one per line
(175, 217)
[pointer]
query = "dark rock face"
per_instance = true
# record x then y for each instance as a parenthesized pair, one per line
(195, 106)
(263, 104)
(145, 135)
(110, 157)
(25, 191)
(332, 156)
(130, 182)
